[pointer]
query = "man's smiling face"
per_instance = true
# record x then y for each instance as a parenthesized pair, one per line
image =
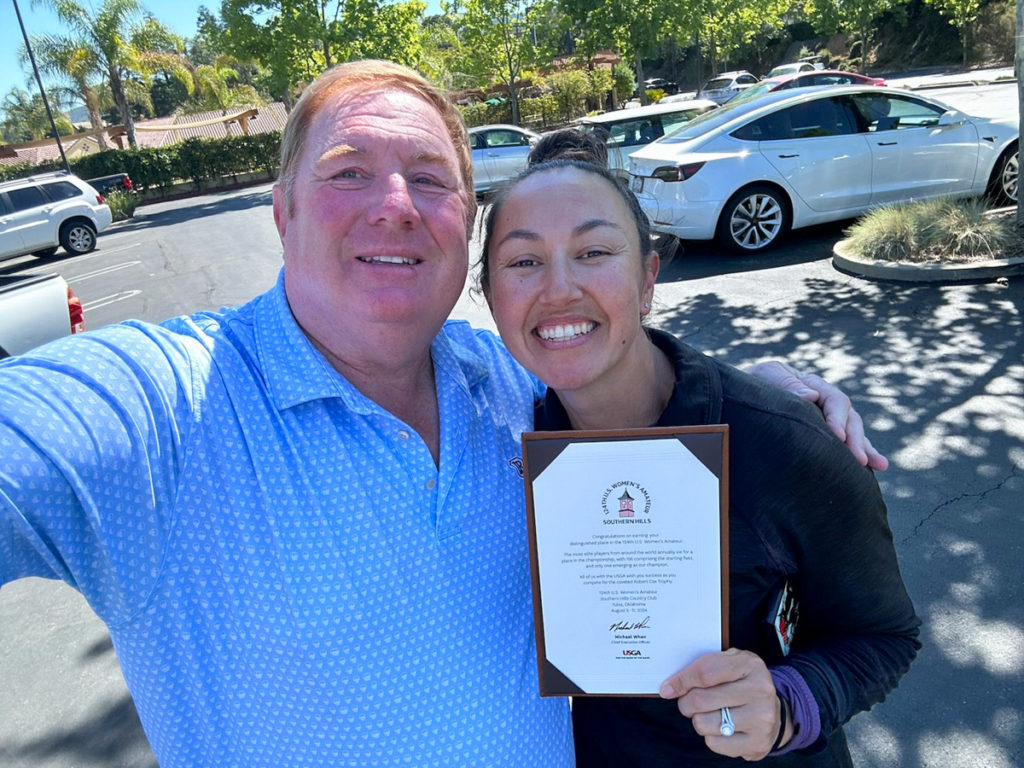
(376, 233)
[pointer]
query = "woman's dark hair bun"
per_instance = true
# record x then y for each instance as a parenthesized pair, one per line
(570, 144)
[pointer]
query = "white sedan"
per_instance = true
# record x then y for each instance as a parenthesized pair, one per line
(499, 153)
(748, 173)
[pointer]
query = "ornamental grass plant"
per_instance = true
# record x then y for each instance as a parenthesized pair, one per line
(944, 230)
(122, 204)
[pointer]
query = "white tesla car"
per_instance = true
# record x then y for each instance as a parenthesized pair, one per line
(748, 173)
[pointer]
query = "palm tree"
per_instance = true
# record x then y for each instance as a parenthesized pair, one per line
(106, 36)
(25, 118)
(78, 66)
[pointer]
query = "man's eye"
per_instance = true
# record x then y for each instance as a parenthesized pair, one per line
(427, 180)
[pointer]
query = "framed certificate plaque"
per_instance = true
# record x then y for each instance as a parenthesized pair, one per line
(629, 555)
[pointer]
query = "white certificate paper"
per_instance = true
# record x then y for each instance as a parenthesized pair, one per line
(628, 539)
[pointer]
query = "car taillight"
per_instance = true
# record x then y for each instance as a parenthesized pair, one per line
(99, 199)
(677, 172)
(131, 187)
(75, 312)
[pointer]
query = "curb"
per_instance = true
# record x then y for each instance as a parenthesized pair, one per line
(907, 272)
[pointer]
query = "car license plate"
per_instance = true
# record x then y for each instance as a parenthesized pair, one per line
(637, 184)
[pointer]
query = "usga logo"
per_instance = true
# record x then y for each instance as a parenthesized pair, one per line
(629, 652)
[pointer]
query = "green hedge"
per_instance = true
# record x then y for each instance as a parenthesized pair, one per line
(197, 160)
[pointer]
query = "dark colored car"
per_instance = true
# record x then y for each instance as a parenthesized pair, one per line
(116, 182)
(660, 84)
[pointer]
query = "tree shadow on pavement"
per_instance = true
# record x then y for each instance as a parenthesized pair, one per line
(938, 373)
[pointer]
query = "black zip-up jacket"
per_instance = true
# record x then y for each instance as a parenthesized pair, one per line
(800, 509)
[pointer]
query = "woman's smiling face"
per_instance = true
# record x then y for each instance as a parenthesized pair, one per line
(568, 283)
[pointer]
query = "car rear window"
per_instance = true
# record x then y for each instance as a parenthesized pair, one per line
(718, 83)
(24, 198)
(61, 190)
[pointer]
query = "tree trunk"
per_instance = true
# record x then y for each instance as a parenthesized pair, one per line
(640, 75)
(95, 119)
(513, 100)
(117, 89)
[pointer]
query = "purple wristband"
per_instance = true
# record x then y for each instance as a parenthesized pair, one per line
(806, 719)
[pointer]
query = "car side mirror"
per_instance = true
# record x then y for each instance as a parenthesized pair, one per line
(952, 117)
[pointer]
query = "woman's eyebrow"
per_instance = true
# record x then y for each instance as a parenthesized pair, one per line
(586, 226)
(519, 234)
(590, 224)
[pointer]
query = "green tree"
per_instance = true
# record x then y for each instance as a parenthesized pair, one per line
(25, 118)
(77, 70)
(599, 83)
(634, 27)
(727, 26)
(496, 41)
(296, 40)
(854, 16)
(625, 82)
(107, 34)
(961, 14)
(569, 87)
(439, 56)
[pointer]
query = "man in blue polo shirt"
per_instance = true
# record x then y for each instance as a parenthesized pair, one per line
(301, 519)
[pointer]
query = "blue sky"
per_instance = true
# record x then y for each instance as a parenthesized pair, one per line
(179, 15)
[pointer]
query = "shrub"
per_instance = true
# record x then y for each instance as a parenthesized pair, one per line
(122, 204)
(889, 233)
(944, 230)
(964, 232)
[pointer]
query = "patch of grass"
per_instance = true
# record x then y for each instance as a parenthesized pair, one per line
(122, 204)
(943, 230)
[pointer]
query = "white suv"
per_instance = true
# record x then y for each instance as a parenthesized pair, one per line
(41, 212)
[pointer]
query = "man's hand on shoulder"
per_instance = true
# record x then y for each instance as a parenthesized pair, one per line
(836, 407)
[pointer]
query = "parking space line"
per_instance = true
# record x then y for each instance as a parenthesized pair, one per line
(106, 270)
(108, 251)
(89, 306)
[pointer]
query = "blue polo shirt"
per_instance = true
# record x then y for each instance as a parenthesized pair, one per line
(287, 577)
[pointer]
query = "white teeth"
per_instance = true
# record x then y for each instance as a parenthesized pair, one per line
(563, 332)
(390, 260)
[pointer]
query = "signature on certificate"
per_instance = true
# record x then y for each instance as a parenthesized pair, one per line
(626, 626)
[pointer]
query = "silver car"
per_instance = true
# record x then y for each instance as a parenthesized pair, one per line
(627, 130)
(499, 153)
(722, 88)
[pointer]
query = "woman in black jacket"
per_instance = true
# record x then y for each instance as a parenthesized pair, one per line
(568, 275)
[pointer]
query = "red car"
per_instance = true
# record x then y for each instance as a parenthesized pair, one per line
(804, 80)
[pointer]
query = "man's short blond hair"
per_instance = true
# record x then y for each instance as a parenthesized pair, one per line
(371, 75)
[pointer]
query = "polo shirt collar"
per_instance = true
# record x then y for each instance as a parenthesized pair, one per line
(297, 373)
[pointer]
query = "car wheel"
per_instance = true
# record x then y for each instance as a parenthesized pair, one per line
(45, 253)
(78, 237)
(753, 219)
(1002, 188)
